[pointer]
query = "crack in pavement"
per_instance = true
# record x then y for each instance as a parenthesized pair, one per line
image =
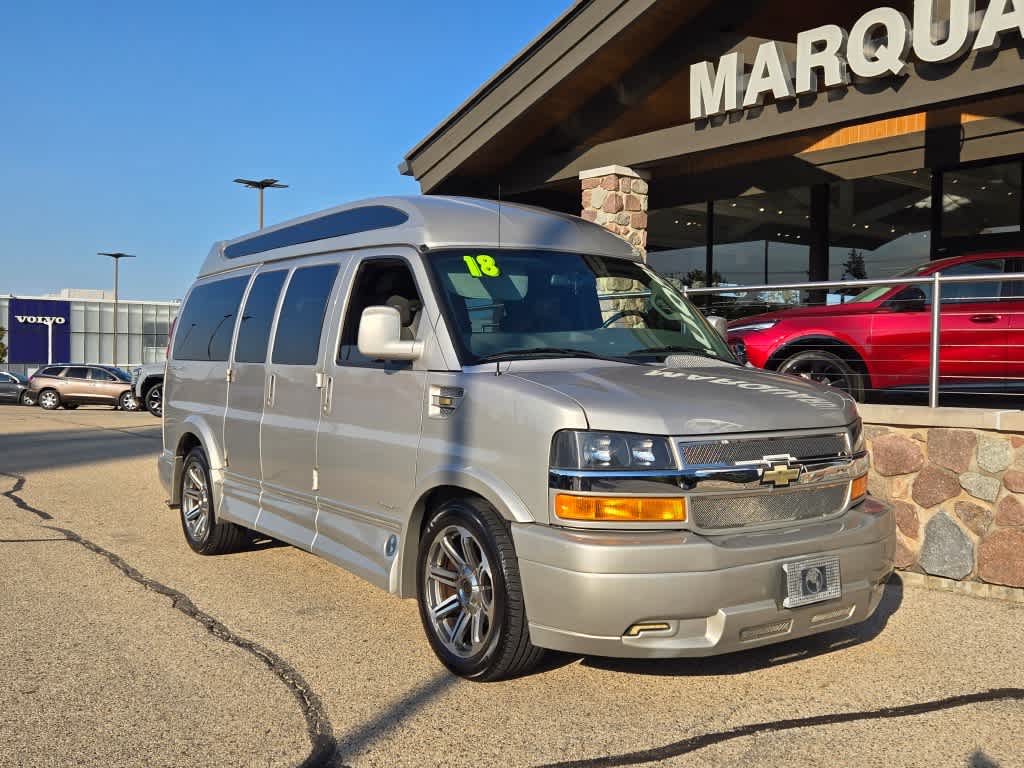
(318, 725)
(695, 743)
(20, 503)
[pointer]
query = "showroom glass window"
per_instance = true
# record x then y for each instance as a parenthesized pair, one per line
(981, 200)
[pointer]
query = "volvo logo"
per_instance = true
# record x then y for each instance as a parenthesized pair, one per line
(40, 319)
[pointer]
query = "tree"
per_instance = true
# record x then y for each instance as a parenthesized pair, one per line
(3, 347)
(854, 267)
(696, 278)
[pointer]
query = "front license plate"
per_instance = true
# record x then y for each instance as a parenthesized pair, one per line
(812, 581)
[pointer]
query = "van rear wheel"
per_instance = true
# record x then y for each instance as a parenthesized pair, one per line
(202, 531)
(470, 594)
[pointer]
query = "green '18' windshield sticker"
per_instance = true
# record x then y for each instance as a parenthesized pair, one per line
(482, 266)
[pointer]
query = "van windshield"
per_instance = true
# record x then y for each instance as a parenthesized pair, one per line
(508, 304)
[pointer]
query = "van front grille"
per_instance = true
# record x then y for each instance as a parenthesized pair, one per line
(742, 510)
(733, 451)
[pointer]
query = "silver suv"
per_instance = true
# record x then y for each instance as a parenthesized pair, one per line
(505, 414)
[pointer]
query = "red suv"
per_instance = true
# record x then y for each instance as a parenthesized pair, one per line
(879, 340)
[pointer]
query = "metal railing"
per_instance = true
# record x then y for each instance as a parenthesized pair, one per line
(935, 281)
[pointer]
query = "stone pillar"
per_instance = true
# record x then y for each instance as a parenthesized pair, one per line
(616, 198)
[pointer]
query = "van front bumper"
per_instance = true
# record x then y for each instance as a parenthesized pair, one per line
(584, 589)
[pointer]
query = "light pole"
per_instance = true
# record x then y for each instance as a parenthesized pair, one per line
(116, 256)
(261, 185)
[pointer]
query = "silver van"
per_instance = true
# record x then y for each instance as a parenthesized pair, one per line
(502, 412)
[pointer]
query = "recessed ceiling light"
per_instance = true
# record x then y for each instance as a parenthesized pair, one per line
(761, 210)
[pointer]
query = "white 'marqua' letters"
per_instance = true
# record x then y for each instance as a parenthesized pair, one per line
(1000, 16)
(926, 28)
(821, 48)
(870, 60)
(716, 92)
(770, 73)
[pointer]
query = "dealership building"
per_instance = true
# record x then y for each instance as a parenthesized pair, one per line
(77, 326)
(784, 142)
(759, 142)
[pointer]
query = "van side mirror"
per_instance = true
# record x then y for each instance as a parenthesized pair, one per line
(720, 324)
(380, 336)
(910, 299)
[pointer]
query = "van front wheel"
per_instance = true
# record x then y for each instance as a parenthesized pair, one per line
(470, 593)
(202, 532)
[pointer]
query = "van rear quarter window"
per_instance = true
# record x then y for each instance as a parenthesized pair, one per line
(254, 333)
(207, 323)
(297, 341)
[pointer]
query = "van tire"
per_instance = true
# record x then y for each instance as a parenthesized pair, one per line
(507, 651)
(198, 521)
(49, 399)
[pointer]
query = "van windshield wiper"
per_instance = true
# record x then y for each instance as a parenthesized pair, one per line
(677, 350)
(520, 354)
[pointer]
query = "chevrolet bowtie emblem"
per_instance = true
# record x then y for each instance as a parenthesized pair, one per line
(780, 475)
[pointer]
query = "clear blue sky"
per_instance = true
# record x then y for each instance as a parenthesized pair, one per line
(123, 123)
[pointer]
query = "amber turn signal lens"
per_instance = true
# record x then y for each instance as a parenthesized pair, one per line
(622, 510)
(859, 488)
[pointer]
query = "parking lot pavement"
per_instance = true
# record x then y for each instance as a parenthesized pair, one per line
(118, 646)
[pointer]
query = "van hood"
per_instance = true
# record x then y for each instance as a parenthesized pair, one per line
(696, 400)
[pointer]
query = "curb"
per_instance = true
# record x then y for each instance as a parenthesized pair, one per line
(972, 588)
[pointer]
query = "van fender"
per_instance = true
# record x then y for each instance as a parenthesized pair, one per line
(484, 484)
(402, 578)
(199, 426)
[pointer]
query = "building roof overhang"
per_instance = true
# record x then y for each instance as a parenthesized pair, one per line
(608, 83)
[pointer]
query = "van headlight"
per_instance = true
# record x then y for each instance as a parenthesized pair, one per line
(572, 449)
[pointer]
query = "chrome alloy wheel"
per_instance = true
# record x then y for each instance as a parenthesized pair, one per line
(49, 400)
(154, 400)
(459, 591)
(195, 502)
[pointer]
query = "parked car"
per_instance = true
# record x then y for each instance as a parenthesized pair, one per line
(468, 422)
(14, 388)
(148, 387)
(69, 386)
(879, 340)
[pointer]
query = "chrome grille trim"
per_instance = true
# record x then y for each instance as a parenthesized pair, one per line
(737, 511)
(727, 451)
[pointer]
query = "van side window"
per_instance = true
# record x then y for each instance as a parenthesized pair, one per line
(254, 332)
(207, 323)
(380, 282)
(297, 341)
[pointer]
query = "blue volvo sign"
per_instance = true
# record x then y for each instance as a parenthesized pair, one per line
(39, 332)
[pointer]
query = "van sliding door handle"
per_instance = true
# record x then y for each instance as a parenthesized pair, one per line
(985, 318)
(328, 394)
(270, 389)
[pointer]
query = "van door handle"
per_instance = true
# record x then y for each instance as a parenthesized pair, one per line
(270, 389)
(328, 395)
(985, 318)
